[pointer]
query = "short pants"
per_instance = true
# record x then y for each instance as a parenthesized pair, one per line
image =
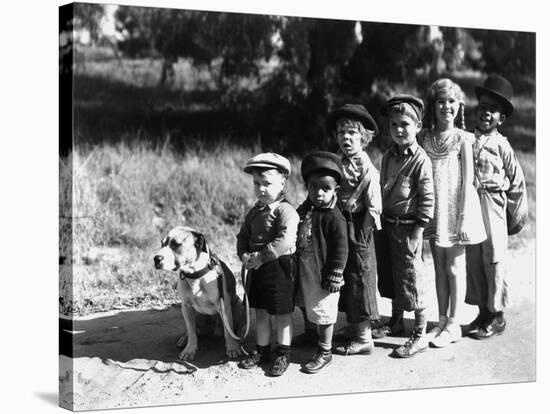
(271, 286)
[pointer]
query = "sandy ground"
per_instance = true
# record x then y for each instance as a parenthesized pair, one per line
(129, 359)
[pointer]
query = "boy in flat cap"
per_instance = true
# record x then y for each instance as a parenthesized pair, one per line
(353, 128)
(407, 207)
(266, 243)
(497, 173)
(322, 250)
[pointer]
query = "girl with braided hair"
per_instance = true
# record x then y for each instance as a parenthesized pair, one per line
(457, 217)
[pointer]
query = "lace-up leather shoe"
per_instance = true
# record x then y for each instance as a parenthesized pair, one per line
(355, 347)
(477, 323)
(320, 360)
(279, 366)
(415, 344)
(493, 326)
(262, 356)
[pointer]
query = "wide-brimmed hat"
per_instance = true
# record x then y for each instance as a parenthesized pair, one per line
(499, 88)
(268, 160)
(322, 160)
(352, 111)
(416, 104)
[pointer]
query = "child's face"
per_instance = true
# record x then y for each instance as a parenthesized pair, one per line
(403, 129)
(349, 137)
(446, 109)
(489, 114)
(268, 185)
(321, 189)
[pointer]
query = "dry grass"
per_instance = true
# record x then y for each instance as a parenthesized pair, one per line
(125, 197)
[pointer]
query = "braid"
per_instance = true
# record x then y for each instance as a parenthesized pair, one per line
(461, 119)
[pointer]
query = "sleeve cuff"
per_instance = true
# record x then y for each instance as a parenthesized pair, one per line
(334, 278)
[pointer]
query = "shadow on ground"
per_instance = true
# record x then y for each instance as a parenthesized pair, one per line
(153, 335)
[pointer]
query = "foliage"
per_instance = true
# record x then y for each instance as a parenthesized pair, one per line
(117, 202)
(239, 40)
(511, 54)
(294, 70)
(88, 16)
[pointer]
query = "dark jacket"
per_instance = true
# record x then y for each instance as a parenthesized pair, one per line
(330, 240)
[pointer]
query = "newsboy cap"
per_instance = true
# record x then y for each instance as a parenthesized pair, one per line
(499, 88)
(352, 111)
(416, 104)
(322, 160)
(268, 160)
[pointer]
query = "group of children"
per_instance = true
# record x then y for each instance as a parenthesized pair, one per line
(360, 231)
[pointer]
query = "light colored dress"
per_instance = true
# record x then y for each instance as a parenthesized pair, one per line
(321, 306)
(447, 170)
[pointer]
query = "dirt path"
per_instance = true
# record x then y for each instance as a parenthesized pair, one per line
(129, 359)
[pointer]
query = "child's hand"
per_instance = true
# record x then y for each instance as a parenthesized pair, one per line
(331, 287)
(461, 233)
(254, 261)
(416, 237)
(350, 208)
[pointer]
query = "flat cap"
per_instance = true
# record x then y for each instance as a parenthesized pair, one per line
(268, 160)
(416, 103)
(352, 111)
(322, 160)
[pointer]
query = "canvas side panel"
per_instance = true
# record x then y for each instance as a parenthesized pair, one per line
(66, 377)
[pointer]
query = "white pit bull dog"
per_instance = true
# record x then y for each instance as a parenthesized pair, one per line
(205, 286)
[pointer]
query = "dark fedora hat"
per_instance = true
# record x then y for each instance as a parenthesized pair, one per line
(499, 88)
(352, 111)
(416, 103)
(322, 161)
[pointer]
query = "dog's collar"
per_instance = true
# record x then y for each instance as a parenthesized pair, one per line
(212, 263)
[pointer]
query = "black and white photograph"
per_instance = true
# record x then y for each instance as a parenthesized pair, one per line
(311, 209)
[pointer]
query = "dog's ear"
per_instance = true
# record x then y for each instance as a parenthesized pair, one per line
(165, 241)
(200, 241)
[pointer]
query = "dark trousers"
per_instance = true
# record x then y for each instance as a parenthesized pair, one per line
(401, 272)
(358, 295)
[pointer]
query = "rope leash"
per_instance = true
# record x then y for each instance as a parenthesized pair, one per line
(225, 320)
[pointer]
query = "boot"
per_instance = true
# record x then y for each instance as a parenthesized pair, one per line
(281, 362)
(478, 322)
(321, 359)
(261, 356)
(494, 325)
(418, 342)
(355, 347)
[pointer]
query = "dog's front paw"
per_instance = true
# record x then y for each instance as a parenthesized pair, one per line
(188, 354)
(234, 350)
